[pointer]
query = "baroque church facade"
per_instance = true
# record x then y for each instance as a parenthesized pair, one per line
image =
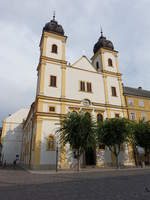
(93, 86)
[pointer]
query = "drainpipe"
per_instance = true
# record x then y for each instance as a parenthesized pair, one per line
(31, 145)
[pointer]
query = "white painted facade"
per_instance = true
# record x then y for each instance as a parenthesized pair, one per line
(66, 97)
(12, 138)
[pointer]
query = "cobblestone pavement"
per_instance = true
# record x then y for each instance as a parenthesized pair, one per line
(105, 185)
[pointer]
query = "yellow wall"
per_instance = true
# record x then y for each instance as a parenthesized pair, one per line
(138, 109)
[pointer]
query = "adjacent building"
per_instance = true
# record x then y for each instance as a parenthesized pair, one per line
(11, 137)
(138, 103)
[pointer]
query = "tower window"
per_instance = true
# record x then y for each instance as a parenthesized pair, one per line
(53, 81)
(82, 86)
(110, 62)
(113, 91)
(54, 48)
(89, 87)
(97, 65)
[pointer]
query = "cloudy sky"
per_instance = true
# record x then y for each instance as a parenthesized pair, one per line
(125, 23)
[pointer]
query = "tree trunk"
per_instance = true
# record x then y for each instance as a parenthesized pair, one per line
(78, 166)
(135, 155)
(116, 153)
(117, 161)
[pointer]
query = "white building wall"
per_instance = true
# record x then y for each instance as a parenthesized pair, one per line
(50, 42)
(97, 59)
(73, 78)
(46, 106)
(113, 82)
(13, 136)
(54, 70)
(108, 55)
(48, 127)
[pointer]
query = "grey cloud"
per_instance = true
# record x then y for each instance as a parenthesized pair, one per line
(126, 23)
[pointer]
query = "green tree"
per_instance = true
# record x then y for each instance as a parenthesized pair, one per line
(78, 129)
(142, 137)
(132, 139)
(113, 133)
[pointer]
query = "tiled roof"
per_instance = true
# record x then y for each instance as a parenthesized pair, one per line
(136, 92)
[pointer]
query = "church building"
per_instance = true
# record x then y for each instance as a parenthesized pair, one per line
(93, 86)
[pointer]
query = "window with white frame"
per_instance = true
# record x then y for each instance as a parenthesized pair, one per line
(143, 116)
(141, 103)
(130, 102)
(132, 116)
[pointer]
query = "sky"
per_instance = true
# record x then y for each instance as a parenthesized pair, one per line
(125, 23)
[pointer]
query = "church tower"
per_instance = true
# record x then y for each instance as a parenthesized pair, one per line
(105, 61)
(49, 107)
(52, 65)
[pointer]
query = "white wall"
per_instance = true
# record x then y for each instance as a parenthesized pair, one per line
(113, 82)
(108, 55)
(73, 78)
(50, 42)
(13, 136)
(55, 70)
(97, 59)
(48, 127)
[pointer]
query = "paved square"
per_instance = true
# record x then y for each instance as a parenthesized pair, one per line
(104, 184)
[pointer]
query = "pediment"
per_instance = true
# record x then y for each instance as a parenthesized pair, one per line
(84, 63)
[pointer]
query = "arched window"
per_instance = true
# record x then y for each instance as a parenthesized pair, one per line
(87, 114)
(110, 62)
(54, 48)
(99, 118)
(97, 65)
(51, 143)
(74, 112)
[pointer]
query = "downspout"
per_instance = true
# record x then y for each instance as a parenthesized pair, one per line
(31, 145)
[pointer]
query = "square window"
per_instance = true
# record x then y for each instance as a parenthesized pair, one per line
(141, 103)
(130, 102)
(52, 109)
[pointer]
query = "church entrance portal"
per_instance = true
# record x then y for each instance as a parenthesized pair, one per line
(90, 156)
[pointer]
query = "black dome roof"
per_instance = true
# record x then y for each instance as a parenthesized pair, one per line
(103, 43)
(54, 27)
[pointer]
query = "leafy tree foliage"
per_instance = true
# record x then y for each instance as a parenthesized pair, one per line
(113, 133)
(132, 140)
(142, 136)
(78, 130)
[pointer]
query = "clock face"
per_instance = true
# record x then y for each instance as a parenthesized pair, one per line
(86, 102)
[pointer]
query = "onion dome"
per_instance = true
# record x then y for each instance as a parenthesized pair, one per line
(103, 43)
(54, 27)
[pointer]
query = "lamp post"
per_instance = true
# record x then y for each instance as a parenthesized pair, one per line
(1, 146)
(57, 157)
